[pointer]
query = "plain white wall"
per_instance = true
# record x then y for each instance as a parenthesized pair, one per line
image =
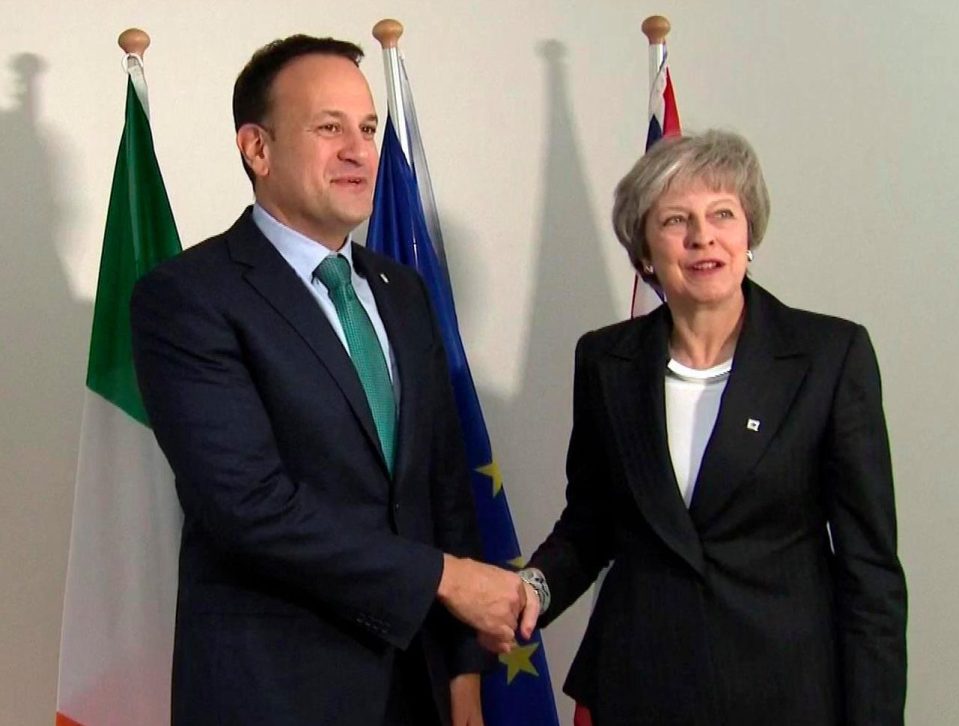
(531, 112)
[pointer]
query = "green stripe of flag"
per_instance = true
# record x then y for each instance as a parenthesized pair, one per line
(140, 232)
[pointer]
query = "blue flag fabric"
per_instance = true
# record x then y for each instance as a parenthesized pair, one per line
(518, 691)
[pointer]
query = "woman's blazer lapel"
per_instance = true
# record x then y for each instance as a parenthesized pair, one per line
(632, 377)
(768, 369)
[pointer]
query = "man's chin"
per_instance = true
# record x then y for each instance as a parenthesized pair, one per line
(355, 217)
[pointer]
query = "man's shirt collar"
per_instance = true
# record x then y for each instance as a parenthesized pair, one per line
(300, 252)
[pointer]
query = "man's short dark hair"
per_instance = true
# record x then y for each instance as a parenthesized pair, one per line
(251, 92)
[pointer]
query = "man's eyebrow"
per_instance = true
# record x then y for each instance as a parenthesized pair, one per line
(340, 115)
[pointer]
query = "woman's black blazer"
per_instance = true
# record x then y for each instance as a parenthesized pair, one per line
(777, 597)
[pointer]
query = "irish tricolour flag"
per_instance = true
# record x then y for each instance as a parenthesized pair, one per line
(117, 637)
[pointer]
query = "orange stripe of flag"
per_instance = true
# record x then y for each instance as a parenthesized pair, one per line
(66, 720)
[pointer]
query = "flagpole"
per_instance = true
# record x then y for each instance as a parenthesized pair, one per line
(388, 33)
(134, 42)
(403, 115)
(655, 28)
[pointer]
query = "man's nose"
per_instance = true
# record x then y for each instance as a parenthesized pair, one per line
(355, 146)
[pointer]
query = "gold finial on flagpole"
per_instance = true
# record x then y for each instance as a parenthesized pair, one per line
(134, 40)
(656, 28)
(388, 32)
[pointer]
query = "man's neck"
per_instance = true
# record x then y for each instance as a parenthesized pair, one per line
(331, 239)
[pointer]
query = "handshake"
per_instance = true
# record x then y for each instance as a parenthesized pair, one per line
(496, 602)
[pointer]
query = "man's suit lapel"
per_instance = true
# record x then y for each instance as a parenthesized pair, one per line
(632, 376)
(275, 281)
(768, 369)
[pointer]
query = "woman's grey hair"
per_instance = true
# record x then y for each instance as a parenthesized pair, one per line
(721, 160)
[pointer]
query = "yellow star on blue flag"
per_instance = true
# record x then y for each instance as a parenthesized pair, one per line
(519, 661)
(492, 471)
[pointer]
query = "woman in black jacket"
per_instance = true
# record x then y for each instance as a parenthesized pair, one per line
(729, 459)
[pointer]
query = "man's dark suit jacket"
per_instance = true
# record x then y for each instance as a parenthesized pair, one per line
(303, 565)
(739, 611)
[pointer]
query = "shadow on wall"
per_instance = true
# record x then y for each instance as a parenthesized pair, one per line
(42, 369)
(572, 295)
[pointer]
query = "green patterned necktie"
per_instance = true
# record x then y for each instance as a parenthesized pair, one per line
(365, 349)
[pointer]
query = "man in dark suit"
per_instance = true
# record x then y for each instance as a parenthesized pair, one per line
(297, 383)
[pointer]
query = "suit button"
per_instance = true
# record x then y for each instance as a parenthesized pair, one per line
(396, 507)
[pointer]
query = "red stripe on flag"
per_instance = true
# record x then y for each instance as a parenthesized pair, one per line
(581, 716)
(66, 720)
(670, 114)
(632, 300)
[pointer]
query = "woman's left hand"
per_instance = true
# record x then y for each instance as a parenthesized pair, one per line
(465, 700)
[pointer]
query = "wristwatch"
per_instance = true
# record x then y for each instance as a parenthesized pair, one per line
(536, 580)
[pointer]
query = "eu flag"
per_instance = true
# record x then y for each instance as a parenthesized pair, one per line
(518, 692)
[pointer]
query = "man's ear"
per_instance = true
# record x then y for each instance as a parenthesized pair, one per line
(251, 141)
